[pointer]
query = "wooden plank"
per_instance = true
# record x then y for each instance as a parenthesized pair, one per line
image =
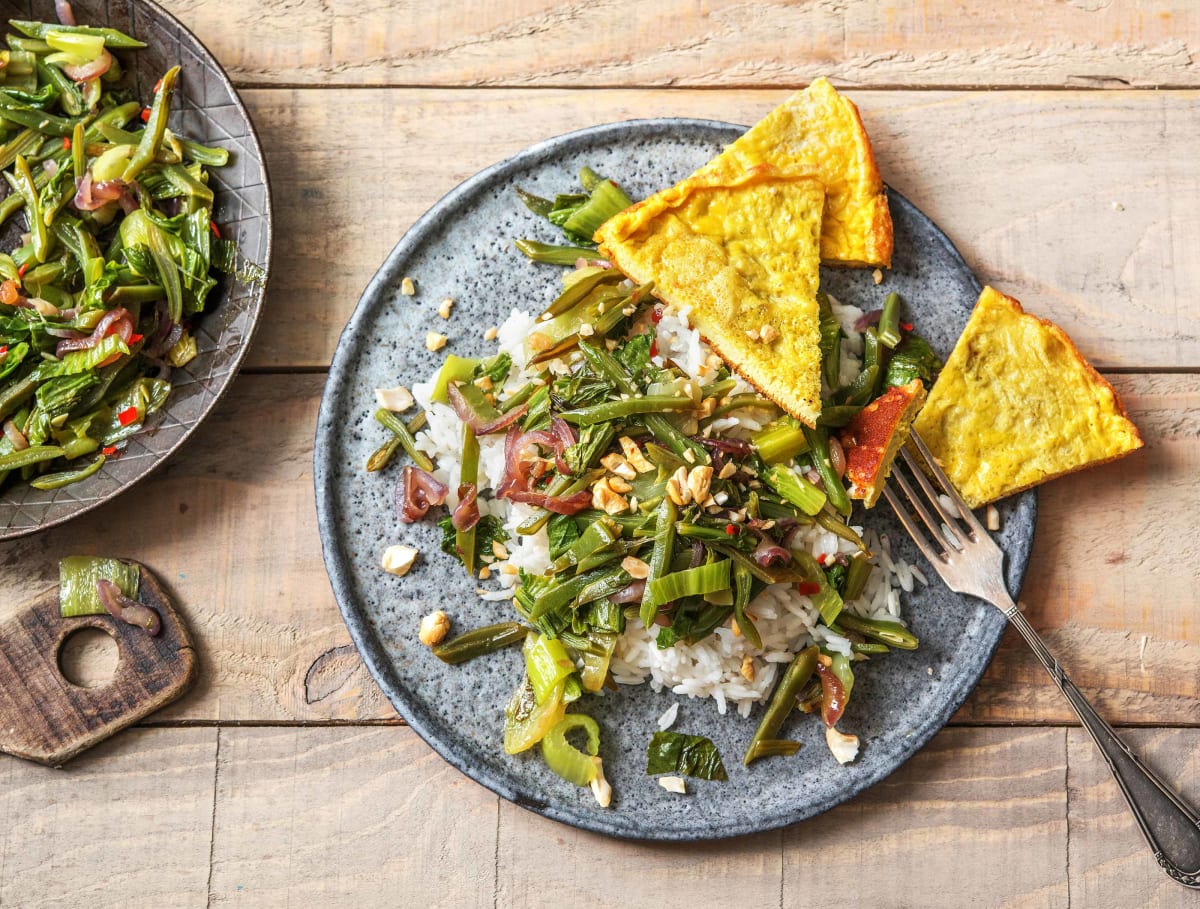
(977, 815)
(127, 824)
(1115, 561)
(347, 817)
(723, 43)
(1089, 219)
(1110, 863)
(243, 562)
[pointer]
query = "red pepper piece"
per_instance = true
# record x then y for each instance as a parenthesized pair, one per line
(127, 416)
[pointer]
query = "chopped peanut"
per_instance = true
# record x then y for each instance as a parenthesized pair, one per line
(752, 334)
(747, 669)
(677, 487)
(434, 628)
(444, 307)
(398, 399)
(619, 466)
(498, 550)
(398, 559)
(538, 341)
(727, 471)
(634, 455)
(877, 274)
(606, 499)
(434, 340)
(407, 287)
(491, 333)
(768, 333)
(617, 484)
(698, 481)
(635, 568)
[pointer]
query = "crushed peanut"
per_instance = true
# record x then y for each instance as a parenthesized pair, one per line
(698, 481)
(407, 287)
(586, 330)
(993, 518)
(485, 382)
(635, 568)
(491, 333)
(727, 471)
(747, 669)
(445, 306)
(634, 455)
(677, 487)
(434, 628)
(675, 784)
(605, 498)
(752, 334)
(509, 568)
(768, 333)
(538, 341)
(628, 311)
(617, 484)
(398, 559)
(877, 275)
(689, 456)
(398, 399)
(498, 550)
(434, 340)
(619, 466)
(485, 573)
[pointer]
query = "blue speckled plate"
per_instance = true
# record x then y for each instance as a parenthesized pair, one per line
(462, 248)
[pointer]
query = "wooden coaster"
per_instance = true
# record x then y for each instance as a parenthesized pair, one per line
(45, 718)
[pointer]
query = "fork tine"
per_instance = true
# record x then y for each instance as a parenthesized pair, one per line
(948, 519)
(914, 531)
(935, 526)
(940, 475)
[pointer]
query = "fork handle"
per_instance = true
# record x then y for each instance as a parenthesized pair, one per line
(1170, 826)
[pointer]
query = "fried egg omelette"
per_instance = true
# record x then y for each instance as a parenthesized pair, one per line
(743, 256)
(1017, 404)
(872, 439)
(818, 132)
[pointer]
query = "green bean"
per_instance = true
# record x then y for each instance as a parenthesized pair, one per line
(26, 142)
(660, 557)
(23, 185)
(568, 590)
(18, 393)
(549, 254)
(743, 582)
(889, 321)
(464, 540)
(870, 648)
(856, 576)
(69, 94)
(133, 294)
(34, 454)
(831, 341)
(737, 402)
(67, 477)
(581, 288)
(862, 389)
(207, 155)
(818, 442)
(78, 447)
(112, 37)
(25, 115)
(559, 486)
(536, 204)
(396, 425)
(617, 410)
(480, 641)
(156, 125)
(891, 633)
(519, 397)
(799, 671)
(835, 416)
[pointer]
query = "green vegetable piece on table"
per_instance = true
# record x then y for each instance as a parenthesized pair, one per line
(77, 577)
(691, 755)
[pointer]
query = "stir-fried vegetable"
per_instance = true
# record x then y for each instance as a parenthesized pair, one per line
(691, 755)
(119, 256)
(78, 577)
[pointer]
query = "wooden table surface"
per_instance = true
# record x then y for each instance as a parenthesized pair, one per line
(1055, 141)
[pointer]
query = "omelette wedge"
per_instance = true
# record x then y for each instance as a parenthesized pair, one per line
(743, 257)
(818, 132)
(1017, 404)
(873, 438)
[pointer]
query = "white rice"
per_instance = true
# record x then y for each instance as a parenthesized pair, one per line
(712, 668)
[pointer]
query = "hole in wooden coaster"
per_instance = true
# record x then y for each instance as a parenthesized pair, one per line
(88, 658)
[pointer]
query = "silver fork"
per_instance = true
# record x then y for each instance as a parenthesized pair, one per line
(970, 562)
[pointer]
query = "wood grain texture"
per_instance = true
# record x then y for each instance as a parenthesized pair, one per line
(992, 799)
(347, 817)
(127, 824)
(244, 564)
(1075, 220)
(723, 43)
(1110, 864)
(46, 718)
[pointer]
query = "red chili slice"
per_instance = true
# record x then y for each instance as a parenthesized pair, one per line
(127, 416)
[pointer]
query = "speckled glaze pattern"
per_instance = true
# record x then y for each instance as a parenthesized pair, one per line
(208, 110)
(462, 248)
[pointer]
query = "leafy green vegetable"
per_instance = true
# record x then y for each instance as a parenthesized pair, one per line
(496, 368)
(563, 532)
(691, 755)
(489, 529)
(913, 359)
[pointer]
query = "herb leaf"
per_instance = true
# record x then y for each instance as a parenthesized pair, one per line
(913, 359)
(691, 755)
(562, 531)
(488, 529)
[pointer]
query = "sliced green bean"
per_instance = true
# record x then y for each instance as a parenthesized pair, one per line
(618, 410)
(67, 477)
(660, 556)
(23, 185)
(39, 30)
(818, 442)
(464, 540)
(891, 633)
(156, 125)
(480, 642)
(396, 425)
(889, 321)
(34, 454)
(799, 671)
(549, 254)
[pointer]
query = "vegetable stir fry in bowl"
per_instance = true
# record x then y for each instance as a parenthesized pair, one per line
(132, 258)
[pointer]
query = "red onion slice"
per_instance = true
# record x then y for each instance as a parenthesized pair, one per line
(416, 492)
(478, 424)
(126, 610)
(630, 593)
(466, 513)
(19, 442)
(833, 695)
(769, 554)
(90, 195)
(66, 15)
(867, 319)
(94, 69)
(115, 322)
